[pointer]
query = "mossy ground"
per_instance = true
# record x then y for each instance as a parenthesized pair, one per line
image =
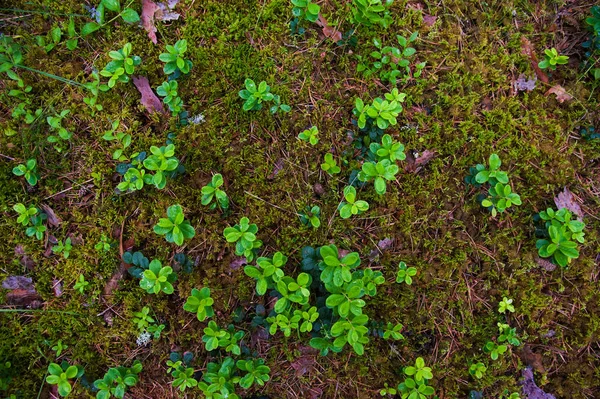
(463, 108)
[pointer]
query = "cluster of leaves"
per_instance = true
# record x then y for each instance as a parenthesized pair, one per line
(158, 278)
(330, 165)
(311, 215)
(220, 379)
(243, 235)
(53, 38)
(56, 125)
(310, 135)
(117, 380)
(162, 161)
(175, 63)
(183, 374)
(352, 206)
(372, 12)
(33, 219)
(174, 227)
(592, 45)
(254, 97)
(129, 15)
(415, 386)
(29, 170)
(120, 68)
(63, 248)
(144, 322)
(561, 236)
(391, 64)
(60, 375)
(213, 191)
(405, 273)
(215, 337)
(500, 195)
(200, 303)
(383, 112)
(168, 90)
(122, 138)
(552, 58)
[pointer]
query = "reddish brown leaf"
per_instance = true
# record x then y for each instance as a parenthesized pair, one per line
(329, 31)
(149, 99)
(566, 199)
(528, 51)
(560, 92)
(22, 292)
(429, 20)
(414, 163)
(149, 8)
(53, 220)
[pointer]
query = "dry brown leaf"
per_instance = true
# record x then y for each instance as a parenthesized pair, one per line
(149, 8)
(545, 264)
(414, 163)
(149, 99)
(329, 31)
(560, 92)
(528, 51)
(566, 199)
(53, 220)
(22, 292)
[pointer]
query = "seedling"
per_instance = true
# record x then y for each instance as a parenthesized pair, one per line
(311, 215)
(255, 96)
(81, 284)
(383, 112)
(104, 244)
(393, 331)
(506, 304)
(268, 273)
(133, 180)
(292, 291)
(372, 12)
(352, 206)
(562, 236)
(29, 170)
(138, 261)
(306, 9)
(58, 348)
(351, 331)
(117, 380)
(25, 214)
(158, 278)
(416, 385)
(284, 322)
(174, 227)
(121, 67)
(122, 138)
(243, 235)
(310, 135)
(387, 390)
(31, 216)
(477, 370)
(256, 372)
(405, 274)
(388, 149)
(63, 248)
(494, 349)
(308, 317)
(175, 63)
(501, 198)
(128, 15)
(200, 303)
(552, 59)
(168, 90)
(142, 319)
(337, 271)
(480, 175)
(179, 368)
(508, 334)
(162, 161)
(379, 172)
(61, 375)
(55, 123)
(330, 165)
(213, 190)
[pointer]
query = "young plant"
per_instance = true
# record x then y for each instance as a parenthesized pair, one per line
(25, 214)
(121, 67)
(117, 380)
(387, 390)
(63, 248)
(162, 161)
(243, 235)
(174, 227)
(501, 198)
(552, 59)
(352, 206)
(351, 331)
(200, 303)
(256, 372)
(415, 387)
(562, 236)
(494, 349)
(212, 335)
(337, 271)
(405, 274)
(292, 291)
(61, 375)
(142, 319)
(213, 190)
(311, 215)
(506, 304)
(81, 284)
(133, 180)
(393, 331)
(220, 380)
(175, 63)
(58, 348)
(310, 135)
(128, 15)
(179, 368)
(122, 138)
(255, 96)
(388, 149)
(168, 90)
(508, 334)
(29, 170)
(31, 216)
(379, 172)
(104, 244)
(308, 316)
(382, 111)
(372, 12)
(158, 278)
(480, 175)
(268, 272)
(306, 9)
(284, 322)
(477, 370)
(55, 123)
(330, 165)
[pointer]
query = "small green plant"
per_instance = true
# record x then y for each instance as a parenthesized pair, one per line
(508, 334)
(104, 244)
(379, 172)
(292, 291)
(55, 123)
(494, 349)
(311, 215)
(200, 303)
(391, 63)
(562, 235)
(63, 248)
(500, 198)
(168, 90)
(33, 217)
(94, 89)
(25, 214)
(174, 227)
(382, 111)
(117, 380)
(175, 63)
(243, 235)
(479, 174)
(213, 190)
(372, 12)
(336, 270)
(61, 375)
(255, 96)
(388, 149)
(215, 337)
(122, 138)
(121, 66)
(415, 387)
(220, 378)
(268, 272)
(162, 161)
(552, 59)
(180, 369)
(392, 331)
(330, 165)
(310, 135)
(405, 273)
(308, 316)
(133, 180)
(477, 370)
(142, 319)
(29, 170)
(352, 206)
(256, 372)
(506, 304)
(387, 390)
(58, 348)
(128, 15)
(158, 278)
(81, 284)
(306, 9)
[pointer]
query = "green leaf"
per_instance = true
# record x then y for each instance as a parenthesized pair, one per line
(112, 5)
(88, 28)
(130, 16)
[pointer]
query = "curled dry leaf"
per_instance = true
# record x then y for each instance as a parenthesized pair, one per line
(329, 31)
(149, 99)
(560, 92)
(528, 51)
(566, 199)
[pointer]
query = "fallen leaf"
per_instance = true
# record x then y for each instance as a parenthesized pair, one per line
(329, 31)
(429, 20)
(530, 389)
(149, 9)
(416, 161)
(545, 264)
(149, 99)
(303, 365)
(276, 168)
(22, 292)
(528, 51)
(53, 220)
(237, 262)
(560, 92)
(57, 287)
(532, 359)
(566, 199)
